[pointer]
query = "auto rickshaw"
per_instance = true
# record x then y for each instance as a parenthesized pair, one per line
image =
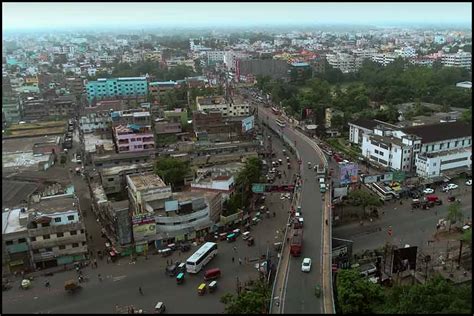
(231, 237)
(212, 286)
(160, 308)
(71, 286)
(202, 289)
(317, 290)
(180, 278)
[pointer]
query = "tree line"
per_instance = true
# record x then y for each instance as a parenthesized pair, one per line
(361, 93)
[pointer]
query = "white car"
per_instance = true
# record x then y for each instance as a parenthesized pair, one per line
(282, 196)
(306, 265)
(428, 191)
(450, 186)
(469, 182)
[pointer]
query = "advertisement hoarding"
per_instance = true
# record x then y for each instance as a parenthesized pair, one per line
(248, 124)
(143, 226)
(348, 173)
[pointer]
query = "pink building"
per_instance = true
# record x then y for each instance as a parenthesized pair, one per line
(133, 138)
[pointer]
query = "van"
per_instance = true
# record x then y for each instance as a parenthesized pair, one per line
(212, 274)
(245, 235)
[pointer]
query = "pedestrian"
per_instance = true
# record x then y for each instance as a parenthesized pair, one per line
(140, 290)
(90, 237)
(99, 277)
(107, 259)
(95, 263)
(240, 261)
(233, 259)
(235, 248)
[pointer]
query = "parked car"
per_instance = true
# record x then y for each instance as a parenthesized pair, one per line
(450, 186)
(469, 182)
(306, 265)
(428, 191)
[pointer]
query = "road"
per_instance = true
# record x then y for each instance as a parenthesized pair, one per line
(299, 296)
(414, 228)
(122, 279)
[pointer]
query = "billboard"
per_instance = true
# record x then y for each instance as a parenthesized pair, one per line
(404, 259)
(340, 192)
(248, 124)
(348, 173)
(143, 226)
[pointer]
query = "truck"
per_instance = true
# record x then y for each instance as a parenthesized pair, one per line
(320, 170)
(296, 243)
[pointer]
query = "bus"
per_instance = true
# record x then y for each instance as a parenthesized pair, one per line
(201, 257)
(280, 123)
(383, 192)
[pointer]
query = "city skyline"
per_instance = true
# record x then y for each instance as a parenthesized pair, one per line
(33, 16)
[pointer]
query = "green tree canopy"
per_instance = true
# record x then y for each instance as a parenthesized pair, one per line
(255, 300)
(356, 295)
(363, 198)
(454, 213)
(172, 170)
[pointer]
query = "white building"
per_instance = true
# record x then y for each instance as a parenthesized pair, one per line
(344, 62)
(230, 107)
(93, 122)
(364, 126)
(384, 58)
(429, 150)
(460, 60)
(223, 184)
(230, 58)
(215, 56)
(406, 52)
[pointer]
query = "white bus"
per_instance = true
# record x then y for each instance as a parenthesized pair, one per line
(280, 123)
(383, 192)
(201, 257)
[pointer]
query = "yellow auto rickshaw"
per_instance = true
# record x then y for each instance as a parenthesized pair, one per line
(71, 286)
(202, 289)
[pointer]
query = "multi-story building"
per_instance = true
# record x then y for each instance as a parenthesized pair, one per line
(429, 150)
(155, 56)
(35, 108)
(162, 217)
(122, 159)
(214, 57)
(92, 122)
(384, 58)
(11, 109)
(231, 57)
(133, 138)
(56, 231)
(116, 88)
(158, 89)
(75, 85)
(344, 62)
(460, 60)
(364, 126)
(232, 106)
(136, 116)
(277, 69)
(176, 115)
(175, 61)
(113, 178)
(15, 241)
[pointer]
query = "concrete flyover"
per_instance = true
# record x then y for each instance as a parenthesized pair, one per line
(293, 289)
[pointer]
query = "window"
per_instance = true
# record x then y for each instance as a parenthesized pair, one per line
(70, 218)
(33, 238)
(441, 146)
(60, 235)
(57, 219)
(432, 147)
(62, 247)
(22, 240)
(462, 143)
(75, 245)
(48, 249)
(82, 231)
(9, 242)
(73, 232)
(46, 237)
(110, 179)
(45, 225)
(456, 143)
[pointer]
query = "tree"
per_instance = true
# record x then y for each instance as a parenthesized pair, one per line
(437, 296)
(454, 213)
(356, 294)
(252, 300)
(466, 116)
(363, 198)
(467, 238)
(172, 170)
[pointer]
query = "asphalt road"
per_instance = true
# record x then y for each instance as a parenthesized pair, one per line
(299, 296)
(122, 279)
(414, 228)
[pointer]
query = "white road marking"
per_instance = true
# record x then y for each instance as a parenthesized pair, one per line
(118, 278)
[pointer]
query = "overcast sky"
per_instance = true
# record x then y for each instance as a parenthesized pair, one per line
(21, 16)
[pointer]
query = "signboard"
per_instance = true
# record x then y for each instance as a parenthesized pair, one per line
(398, 176)
(348, 173)
(371, 179)
(340, 192)
(248, 124)
(171, 206)
(258, 187)
(143, 226)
